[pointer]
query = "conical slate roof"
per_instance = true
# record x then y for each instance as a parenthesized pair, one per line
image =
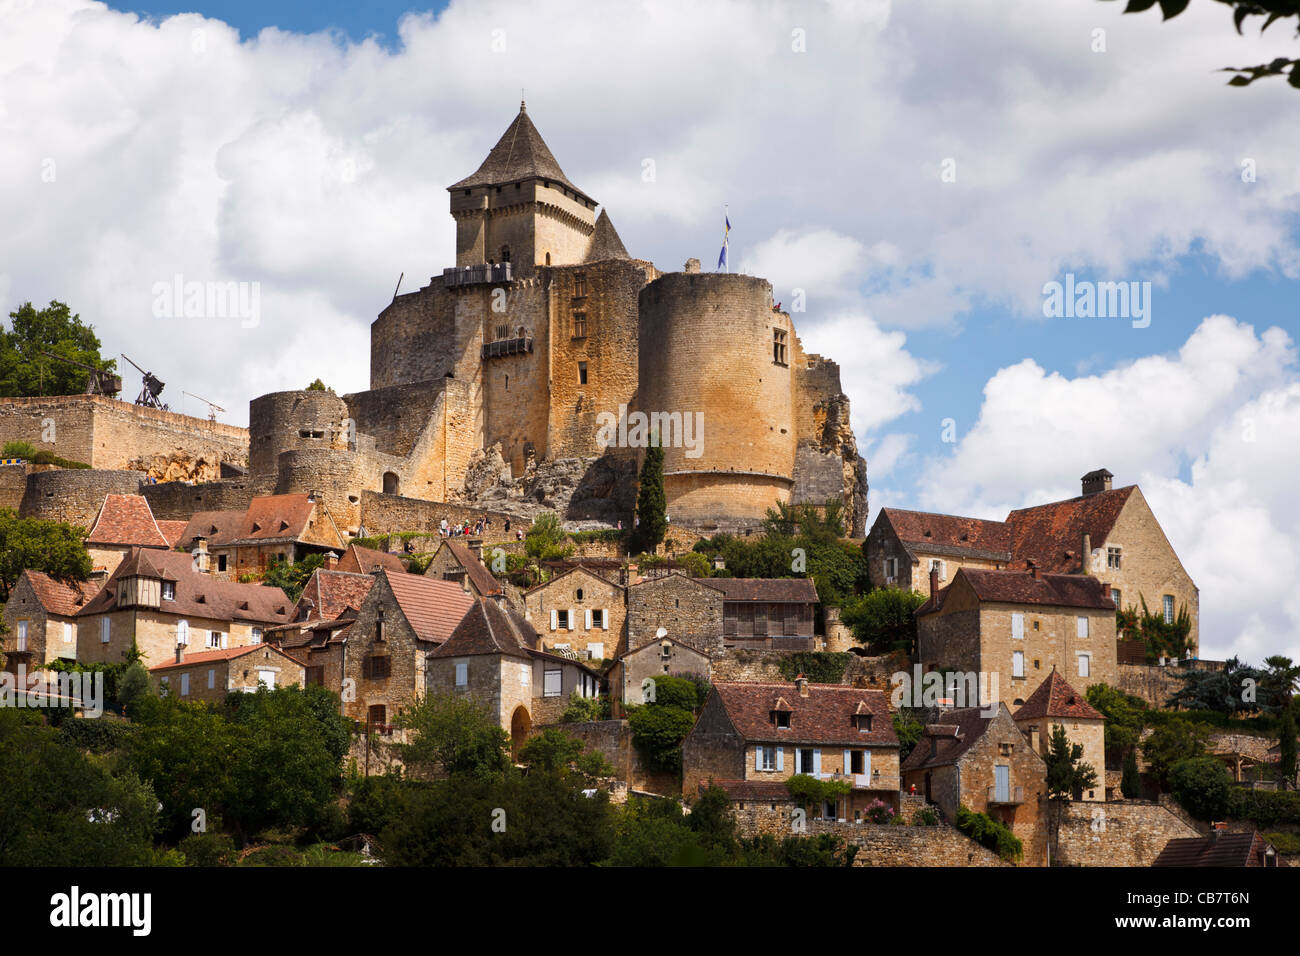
(605, 243)
(520, 154)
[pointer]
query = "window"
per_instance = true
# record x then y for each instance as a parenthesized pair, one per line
(1002, 784)
(552, 682)
(1081, 626)
(257, 635)
(212, 678)
(377, 718)
(767, 758)
(169, 590)
(462, 673)
(1018, 626)
(580, 285)
(185, 685)
(560, 620)
(937, 565)
(221, 562)
(582, 373)
(864, 723)
(22, 635)
(105, 630)
(808, 761)
(580, 325)
(1085, 664)
(578, 594)
(315, 676)
(778, 346)
(1115, 596)
(214, 639)
(598, 619)
(266, 678)
(183, 633)
(1006, 748)
(377, 667)
(891, 568)
(1112, 558)
(67, 633)
(782, 719)
(1169, 609)
(163, 686)
(855, 762)
(1018, 664)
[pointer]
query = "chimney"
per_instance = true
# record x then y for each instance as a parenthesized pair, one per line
(1033, 738)
(1086, 557)
(801, 684)
(934, 583)
(1033, 568)
(1096, 481)
(331, 561)
(633, 573)
(202, 562)
(180, 652)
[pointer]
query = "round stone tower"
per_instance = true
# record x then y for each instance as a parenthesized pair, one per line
(714, 353)
(295, 421)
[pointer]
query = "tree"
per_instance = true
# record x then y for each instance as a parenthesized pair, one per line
(1222, 690)
(318, 386)
(909, 731)
(1123, 713)
(453, 735)
(1174, 740)
(1242, 10)
(24, 371)
(651, 503)
(657, 733)
(551, 751)
(1280, 680)
(1130, 782)
(1287, 746)
(545, 540)
(884, 619)
(1067, 776)
(40, 545)
(1203, 786)
(292, 578)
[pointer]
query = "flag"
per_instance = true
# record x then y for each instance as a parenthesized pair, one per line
(726, 237)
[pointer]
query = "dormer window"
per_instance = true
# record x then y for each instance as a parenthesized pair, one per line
(782, 719)
(863, 722)
(169, 590)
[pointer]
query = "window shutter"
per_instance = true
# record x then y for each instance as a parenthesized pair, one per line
(817, 762)
(758, 757)
(224, 640)
(866, 763)
(588, 618)
(1018, 626)
(555, 619)
(604, 619)
(573, 618)
(780, 758)
(848, 761)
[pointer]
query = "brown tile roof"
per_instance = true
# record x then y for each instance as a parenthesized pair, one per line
(59, 597)
(774, 590)
(328, 594)
(126, 520)
(488, 628)
(483, 580)
(1218, 848)
(225, 654)
(172, 530)
(1056, 698)
(951, 739)
(590, 571)
(520, 154)
(359, 560)
(1052, 534)
(218, 527)
(197, 594)
(1021, 587)
(267, 519)
(760, 791)
(825, 716)
(939, 532)
(432, 607)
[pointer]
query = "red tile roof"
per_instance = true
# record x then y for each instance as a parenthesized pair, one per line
(928, 530)
(825, 716)
(267, 519)
(943, 744)
(1056, 698)
(359, 560)
(172, 531)
(432, 607)
(58, 597)
(1052, 534)
(218, 527)
(225, 654)
(489, 628)
(483, 580)
(328, 594)
(126, 520)
(1021, 587)
(774, 590)
(197, 595)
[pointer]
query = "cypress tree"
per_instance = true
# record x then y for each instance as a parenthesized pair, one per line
(1286, 743)
(651, 504)
(1130, 784)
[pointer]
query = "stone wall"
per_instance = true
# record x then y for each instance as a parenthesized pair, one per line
(1151, 682)
(389, 514)
(74, 495)
(13, 485)
(689, 610)
(1118, 833)
(897, 845)
(613, 739)
(755, 666)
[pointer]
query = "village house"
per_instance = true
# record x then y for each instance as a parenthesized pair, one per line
(578, 611)
(768, 613)
(40, 620)
(1012, 628)
(273, 529)
(978, 758)
(454, 561)
(770, 732)
(666, 656)
(359, 560)
(495, 657)
(1056, 704)
(156, 600)
(689, 610)
(124, 522)
(329, 603)
(210, 675)
(1108, 533)
(383, 651)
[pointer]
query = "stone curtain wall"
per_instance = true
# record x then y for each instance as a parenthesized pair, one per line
(1118, 833)
(74, 495)
(879, 844)
(1151, 682)
(764, 666)
(390, 514)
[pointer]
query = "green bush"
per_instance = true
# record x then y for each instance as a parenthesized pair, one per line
(820, 667)
(925, 817)
(986, 831)
(583, 709)
(811, 792)
(1288, 843)
(273, 856)
(1203, 786)
(208, 849)
(1266, 808)
(95, 735)
(657, 733)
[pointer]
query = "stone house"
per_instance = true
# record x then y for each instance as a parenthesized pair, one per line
(383, 651)
(124, 522)
(329, 604)
(40, 620)
(578, 611)
(689, 609)
(156, 600)
(1108, 533)
(273, 529)
(978, 758)
(210, 675)
(359, 560)
(667, 655)
(495, 657)
(1012, 627)
(1055, 703)
(770, 732)
(454, 561)
(768, 613)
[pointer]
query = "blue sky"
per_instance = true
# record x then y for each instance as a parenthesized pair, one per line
(313, 164)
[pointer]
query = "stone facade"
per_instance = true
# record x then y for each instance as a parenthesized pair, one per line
(210, 677)
(36, 634)
(1118, 833)
(667, 656)
(579, 611)
(690, 610)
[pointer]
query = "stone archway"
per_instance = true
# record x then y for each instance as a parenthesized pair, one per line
(391, 484)
(521, 724)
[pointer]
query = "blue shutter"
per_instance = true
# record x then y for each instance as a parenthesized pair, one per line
(817, 762)
(780, 758)
(758, 758)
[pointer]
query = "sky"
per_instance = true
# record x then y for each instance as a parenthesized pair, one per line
(910, 176)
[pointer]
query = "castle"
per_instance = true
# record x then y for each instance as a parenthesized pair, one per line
(490, 386)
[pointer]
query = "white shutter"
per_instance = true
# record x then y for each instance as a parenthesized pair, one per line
(848, 761)
(1082, 627)
(555, 619)
(224, 637)
(573, 618)
(587, 614)
(758, 757)
(780, 758)
(1018, 626)
(604, 619)
(866, 763)
(817, 762)
(185, 685)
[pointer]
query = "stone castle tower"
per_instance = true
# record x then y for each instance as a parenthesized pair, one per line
(500, 371)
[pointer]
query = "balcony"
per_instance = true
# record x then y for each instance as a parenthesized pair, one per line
(483, 274)
(1012, 797)
(864, 781)
(501, 347)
